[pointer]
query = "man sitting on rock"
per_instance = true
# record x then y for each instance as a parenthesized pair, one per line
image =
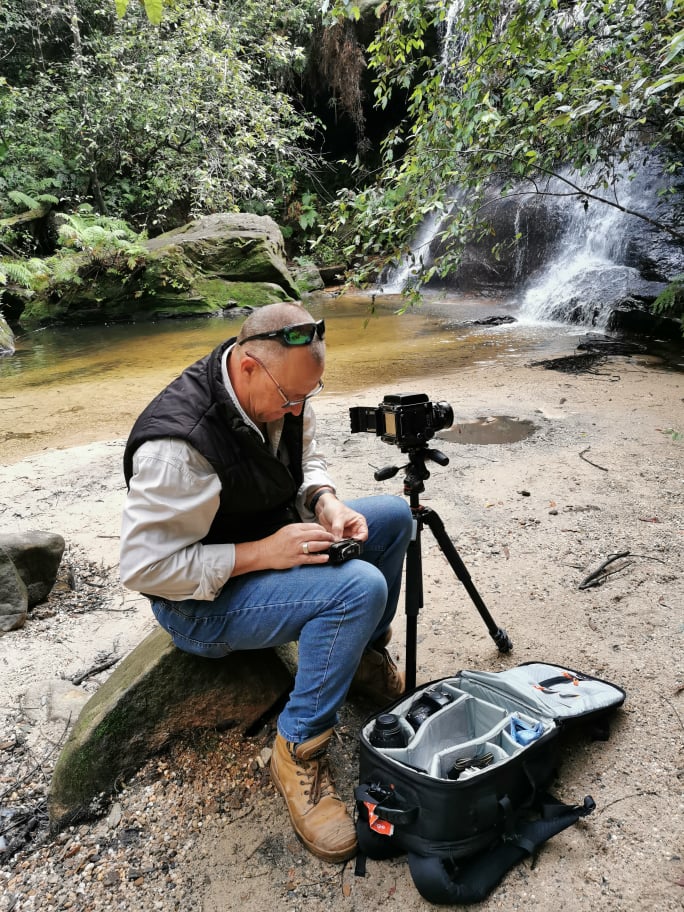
(229, 515)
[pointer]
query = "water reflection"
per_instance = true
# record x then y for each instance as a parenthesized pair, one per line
(364, 348)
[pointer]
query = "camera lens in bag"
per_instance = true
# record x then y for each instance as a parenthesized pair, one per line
(427, 704)
(387, 732)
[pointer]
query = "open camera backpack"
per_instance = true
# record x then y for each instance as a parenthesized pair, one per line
(458, 773)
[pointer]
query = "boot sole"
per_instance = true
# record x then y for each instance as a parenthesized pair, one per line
(333, 857)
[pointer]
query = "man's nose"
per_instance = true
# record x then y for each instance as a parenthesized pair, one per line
(296, 410)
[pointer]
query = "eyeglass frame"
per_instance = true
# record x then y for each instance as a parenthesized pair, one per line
(287, 402)
(318, 329)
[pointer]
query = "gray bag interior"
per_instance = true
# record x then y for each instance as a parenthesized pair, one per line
(478, 720)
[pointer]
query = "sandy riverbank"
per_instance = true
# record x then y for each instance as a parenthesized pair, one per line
(601, 473)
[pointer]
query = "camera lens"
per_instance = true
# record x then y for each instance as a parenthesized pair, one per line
(443, 415)
(387, 732)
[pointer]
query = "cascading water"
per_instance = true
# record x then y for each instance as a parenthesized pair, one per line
(404, 275)
(581, 256)
(581, 282)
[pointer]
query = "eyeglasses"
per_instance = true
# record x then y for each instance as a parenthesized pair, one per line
(296, 334)
(287, 403)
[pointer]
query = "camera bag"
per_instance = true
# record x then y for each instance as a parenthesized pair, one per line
(463, 792)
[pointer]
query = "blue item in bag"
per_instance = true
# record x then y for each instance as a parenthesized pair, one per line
(524, 733)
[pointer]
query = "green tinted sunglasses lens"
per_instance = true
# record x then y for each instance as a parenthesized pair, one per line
(292, 335)
(299, 336)
(303, 335)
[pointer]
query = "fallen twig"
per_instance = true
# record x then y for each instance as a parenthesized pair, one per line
(90, 582)
(582, 456)
(637, 794)
(95, 669)
(240, 817)
(596, 577)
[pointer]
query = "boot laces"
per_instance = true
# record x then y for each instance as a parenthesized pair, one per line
(316, 774)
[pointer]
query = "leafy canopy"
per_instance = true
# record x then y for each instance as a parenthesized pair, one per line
(499, 94)
(154, 124)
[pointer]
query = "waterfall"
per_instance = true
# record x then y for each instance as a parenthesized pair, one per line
(401, 277)
(563, 249)
(589, 258)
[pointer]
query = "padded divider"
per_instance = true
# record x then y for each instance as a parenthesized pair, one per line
(512, 702)
(458, 723)
(498, 744)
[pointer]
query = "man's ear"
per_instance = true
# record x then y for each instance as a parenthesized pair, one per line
(247, 365)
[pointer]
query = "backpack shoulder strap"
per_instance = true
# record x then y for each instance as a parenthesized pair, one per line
(440, 880)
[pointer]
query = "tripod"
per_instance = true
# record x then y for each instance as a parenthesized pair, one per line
(416, 473)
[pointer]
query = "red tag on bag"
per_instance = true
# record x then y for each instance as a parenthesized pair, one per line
(384, 827)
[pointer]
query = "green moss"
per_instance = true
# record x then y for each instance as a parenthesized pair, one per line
(166, 283)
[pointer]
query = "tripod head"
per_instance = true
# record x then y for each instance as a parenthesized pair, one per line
(415, 470)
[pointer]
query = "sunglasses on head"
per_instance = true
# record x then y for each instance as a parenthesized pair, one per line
(296, 334)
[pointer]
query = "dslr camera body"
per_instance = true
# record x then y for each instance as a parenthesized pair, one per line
(407, 420)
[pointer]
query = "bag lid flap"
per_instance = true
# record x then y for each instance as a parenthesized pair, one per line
(551, 691)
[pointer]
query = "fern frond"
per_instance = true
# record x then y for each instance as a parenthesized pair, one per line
(19, 272)
(22, 199)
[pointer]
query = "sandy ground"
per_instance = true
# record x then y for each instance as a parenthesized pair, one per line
(602, 473)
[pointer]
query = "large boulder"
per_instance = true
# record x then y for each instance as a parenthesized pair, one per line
(13, 596)
(6, 338)
(522, 235)
(205, 268)
(36, 557)
(155, 694)
(235, 247)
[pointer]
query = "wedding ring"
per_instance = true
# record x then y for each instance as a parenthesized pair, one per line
(305, 547)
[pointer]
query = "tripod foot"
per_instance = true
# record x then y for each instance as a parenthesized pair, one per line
(502, 640)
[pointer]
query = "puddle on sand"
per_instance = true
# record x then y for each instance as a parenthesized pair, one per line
(492, 429)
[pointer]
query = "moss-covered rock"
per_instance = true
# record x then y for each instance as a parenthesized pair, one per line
(6, 337)
(307, 277)
(154, 695)
(237, 247)
(202, 269)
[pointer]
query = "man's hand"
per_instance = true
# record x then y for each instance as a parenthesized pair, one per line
(340, 520)
(291, 546)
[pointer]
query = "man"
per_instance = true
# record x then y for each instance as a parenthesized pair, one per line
(229, 514)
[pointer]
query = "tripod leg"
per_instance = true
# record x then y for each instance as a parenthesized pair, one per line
(436, 526)
(414, 602)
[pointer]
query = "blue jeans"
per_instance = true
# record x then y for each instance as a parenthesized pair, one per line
(333, 612)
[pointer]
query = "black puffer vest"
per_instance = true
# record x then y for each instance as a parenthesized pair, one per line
(257, 489)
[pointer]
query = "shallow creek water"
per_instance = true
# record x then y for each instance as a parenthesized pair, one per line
(68, 386)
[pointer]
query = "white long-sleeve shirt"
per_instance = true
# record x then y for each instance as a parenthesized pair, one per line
(172, 500)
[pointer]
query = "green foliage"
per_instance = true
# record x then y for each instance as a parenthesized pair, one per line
(153, 8)
(20, 272)
(521, 90)
(23, 201)
(89, 244)
(154, 124)
(670, 303)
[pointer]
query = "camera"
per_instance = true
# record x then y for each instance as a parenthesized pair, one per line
(344, 550)
(405, 419)
(427, 704)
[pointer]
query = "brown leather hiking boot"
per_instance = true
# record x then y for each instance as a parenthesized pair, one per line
(377, 677)
(301, 774)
